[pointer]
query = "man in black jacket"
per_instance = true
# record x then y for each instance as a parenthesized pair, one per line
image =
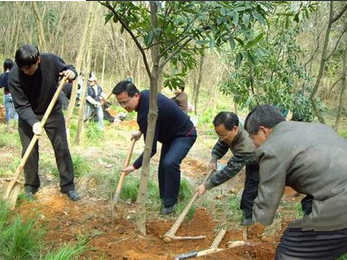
(173, 129)
(33, 82)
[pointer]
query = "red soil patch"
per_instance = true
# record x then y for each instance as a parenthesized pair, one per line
(66, 221)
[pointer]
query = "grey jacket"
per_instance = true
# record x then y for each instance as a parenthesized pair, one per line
(312, 159)
(243, 152)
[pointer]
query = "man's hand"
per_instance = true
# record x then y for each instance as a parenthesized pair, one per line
(69, 74)
(37, 128)
(201, 190)
(212, 166)
(128, 170)
(136, 135)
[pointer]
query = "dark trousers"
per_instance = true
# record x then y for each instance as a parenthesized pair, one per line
(250, 191)
(296, 244)
(169, 172)
(56, 132)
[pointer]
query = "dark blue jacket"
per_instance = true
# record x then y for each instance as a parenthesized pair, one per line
(172, 122)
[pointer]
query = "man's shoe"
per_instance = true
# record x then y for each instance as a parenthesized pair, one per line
(247, 222)
(168, 210)
(29, 195)
(73, 195)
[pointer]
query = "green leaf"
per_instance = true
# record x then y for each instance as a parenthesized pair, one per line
(238, 59)
(108, 17)
(236, 18)
(255, 41)
(245, 19)
(148, 38)
(232, 42)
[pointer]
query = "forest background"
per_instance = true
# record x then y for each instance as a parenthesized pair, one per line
(231, 55)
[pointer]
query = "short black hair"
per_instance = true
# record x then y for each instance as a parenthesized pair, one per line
(27, 55)
(262, 115)
(228, 119)
(125, 86)
(8, 64)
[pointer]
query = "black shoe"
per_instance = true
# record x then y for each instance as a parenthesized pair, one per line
(73, 195)
(247, 222)
(168, 210)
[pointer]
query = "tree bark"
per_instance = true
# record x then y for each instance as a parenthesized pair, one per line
(152, 119)
(342, 92)
(78, 65)
(39, 21)
(198, 85)
(323, 59)
(91, 28)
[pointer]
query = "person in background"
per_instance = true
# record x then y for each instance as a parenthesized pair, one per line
(33, 82)
(129, 78)
(174, 131)
(80, 82)
(181, 98)
(233, 137)
(11, 113)
(310, 158)
(95, 99)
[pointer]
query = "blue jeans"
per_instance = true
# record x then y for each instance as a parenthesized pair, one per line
(92, 111)
(11, 113)
(169, 173)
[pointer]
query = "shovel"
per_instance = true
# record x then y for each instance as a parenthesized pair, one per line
(114, 200)
(170, 235)
(214, 247)
(11, 190)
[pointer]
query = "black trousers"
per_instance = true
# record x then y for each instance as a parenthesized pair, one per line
(56, 132)
(250, 191)
(296, 244)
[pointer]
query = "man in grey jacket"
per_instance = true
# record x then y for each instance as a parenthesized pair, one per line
(310, 158)
(232, 136)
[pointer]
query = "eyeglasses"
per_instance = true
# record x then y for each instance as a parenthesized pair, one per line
(123, 103)
(223, 137)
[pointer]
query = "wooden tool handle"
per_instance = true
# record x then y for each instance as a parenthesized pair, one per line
(123, 174)
(181, 217)
(35, 137)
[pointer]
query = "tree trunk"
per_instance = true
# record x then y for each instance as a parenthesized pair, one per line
(152, 119)
(39, 21)
(343, 89)
(78, 66)
(103, 65)
(198, 85)
(91, 28)
(321, 68)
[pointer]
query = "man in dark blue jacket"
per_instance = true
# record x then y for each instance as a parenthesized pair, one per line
(173, 129)
(33, 82)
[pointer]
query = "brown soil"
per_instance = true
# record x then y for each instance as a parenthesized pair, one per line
(90, 217)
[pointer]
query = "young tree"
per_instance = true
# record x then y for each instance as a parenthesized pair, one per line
(177, 32)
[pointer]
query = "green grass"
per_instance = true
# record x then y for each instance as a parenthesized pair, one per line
(9, 135)
(80, 165)
(18, 239)
(68, 251)
(23, 240)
